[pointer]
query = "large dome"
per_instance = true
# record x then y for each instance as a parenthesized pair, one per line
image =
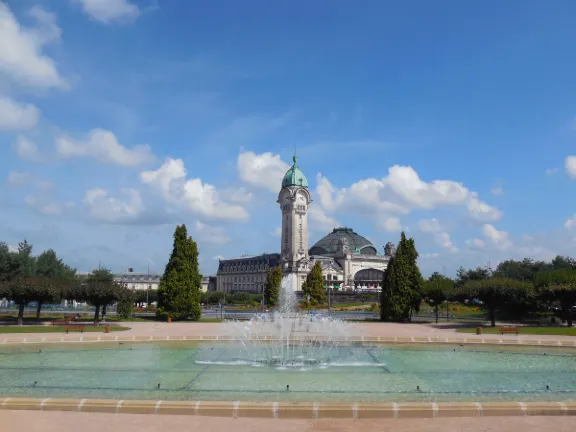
(329, 244)
(294, 176)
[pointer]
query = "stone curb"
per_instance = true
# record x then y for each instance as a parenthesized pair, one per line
(349, 339)
(281, 410)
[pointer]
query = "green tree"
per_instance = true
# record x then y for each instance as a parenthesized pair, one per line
(563, 262)
(464, 276)
(402, 283)
(559, 285)
(272, 286)
(125, 298)
(524, 270)
(21, 290)
(54, 275)
(314, 285)
(104, 277)
(436, 290)
(8, 263)
(496, 292)
(179, 290)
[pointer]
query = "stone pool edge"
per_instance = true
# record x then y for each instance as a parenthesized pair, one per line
(349, 339)
(284, 410)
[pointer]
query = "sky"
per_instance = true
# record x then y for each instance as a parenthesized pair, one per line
(453, 121)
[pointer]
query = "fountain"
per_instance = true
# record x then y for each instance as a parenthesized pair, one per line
(286, 338)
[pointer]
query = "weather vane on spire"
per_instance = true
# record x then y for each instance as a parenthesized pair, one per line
(294, 157)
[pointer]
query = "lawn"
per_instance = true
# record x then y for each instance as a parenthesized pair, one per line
(55, 329)
(557, 331)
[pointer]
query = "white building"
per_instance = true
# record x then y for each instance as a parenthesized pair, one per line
(139, 280)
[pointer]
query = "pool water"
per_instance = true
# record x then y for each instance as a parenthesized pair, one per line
(356, 373)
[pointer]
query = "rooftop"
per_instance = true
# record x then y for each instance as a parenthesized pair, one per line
(294, 176)
(330, 244)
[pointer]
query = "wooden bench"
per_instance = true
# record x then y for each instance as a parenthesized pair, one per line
(509, 330)
(79, 328)
(60, 322)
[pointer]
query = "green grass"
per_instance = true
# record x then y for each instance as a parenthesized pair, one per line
(557, 331)
(55, 329)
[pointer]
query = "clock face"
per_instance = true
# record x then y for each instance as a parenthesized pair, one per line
(300, 199)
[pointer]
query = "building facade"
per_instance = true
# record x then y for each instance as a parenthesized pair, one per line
(349, 261)
(246, 273)
(139, 280)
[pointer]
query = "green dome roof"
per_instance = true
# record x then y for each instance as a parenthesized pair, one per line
(294, 176)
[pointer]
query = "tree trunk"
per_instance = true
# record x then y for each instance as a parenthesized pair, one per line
(436, 310)
(567, 313)
(21, 313)
(96, 314)
(492, 314)
(38, 309)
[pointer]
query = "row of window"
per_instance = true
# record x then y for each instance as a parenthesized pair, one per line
(239, 268)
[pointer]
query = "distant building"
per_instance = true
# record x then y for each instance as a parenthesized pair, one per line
(245, 273)
(208, 283)
(139, 280)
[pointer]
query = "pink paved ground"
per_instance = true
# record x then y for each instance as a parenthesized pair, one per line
(358, 329)
(38, 421)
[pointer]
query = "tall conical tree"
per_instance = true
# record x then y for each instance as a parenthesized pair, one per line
(314, 285)
(402, 282)
(272, 287)
(179, 290)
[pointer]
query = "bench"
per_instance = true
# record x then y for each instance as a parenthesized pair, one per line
(61, 321)
(79, 328)
(509, 330)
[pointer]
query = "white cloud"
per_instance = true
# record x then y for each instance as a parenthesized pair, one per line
(210, 234)
(441, 236)
(401, 192)
(15, 116)
(392, 224)
(21, 52)
(428, 256)
(480, 211)
(218, 258)
(237, 195)
(27, 149)
(570, 166)
(200, 198)
(42, 206)
(22, 179)
(265, 170)
(551, 171)
(497, 190)
(319, 220)
(104, 146)
(476, 244)
(103, 207)
(277, 232)
(570, 223)
(499, 239)
(110, 11)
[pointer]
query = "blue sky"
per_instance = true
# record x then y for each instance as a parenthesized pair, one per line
(454, 121)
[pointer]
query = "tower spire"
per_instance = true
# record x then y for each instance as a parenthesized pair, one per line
(294, 158)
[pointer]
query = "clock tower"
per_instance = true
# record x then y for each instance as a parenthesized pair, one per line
(294, 199)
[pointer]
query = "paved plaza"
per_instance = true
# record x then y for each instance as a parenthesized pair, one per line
(357, 329)
(38, 421)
